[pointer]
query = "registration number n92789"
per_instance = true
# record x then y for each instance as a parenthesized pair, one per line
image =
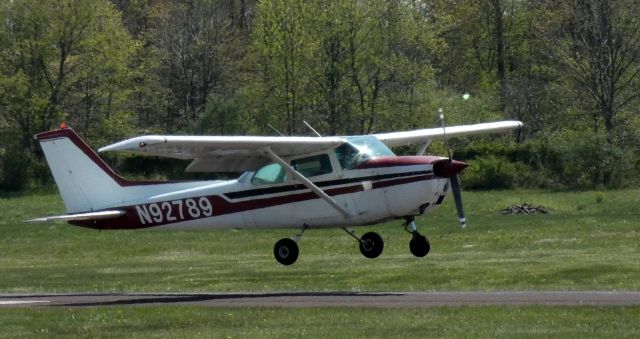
(174, 210)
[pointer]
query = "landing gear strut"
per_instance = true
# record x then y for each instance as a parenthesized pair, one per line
(371, 243)
(286, 250)
(419, 244)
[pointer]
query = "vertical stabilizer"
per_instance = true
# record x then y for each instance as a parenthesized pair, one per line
(86, 183)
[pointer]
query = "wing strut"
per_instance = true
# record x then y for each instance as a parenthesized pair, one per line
(308, 183)
(423, 147)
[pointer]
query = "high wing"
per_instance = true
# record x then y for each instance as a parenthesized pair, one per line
(246, 153)
(395, 139)
(222, 153)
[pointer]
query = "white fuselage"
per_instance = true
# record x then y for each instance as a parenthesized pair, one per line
(371, 195)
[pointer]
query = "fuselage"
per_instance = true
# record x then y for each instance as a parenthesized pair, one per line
(376, 190)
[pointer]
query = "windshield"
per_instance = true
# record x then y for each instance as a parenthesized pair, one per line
(369, 144)
(359, 149)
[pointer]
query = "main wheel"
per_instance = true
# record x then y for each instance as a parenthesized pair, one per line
(419, 245)
(286, 251)
(371, 245)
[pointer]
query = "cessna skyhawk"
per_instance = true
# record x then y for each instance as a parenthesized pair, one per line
(288, 182)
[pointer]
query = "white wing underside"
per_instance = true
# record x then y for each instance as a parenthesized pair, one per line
(246, 153)
(222, 153)
(396, 139)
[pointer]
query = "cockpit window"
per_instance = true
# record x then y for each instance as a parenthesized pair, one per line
(359, 149)
(269, 174)
(314, 165)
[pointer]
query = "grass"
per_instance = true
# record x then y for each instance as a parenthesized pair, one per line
(458, 322)
(583, 245)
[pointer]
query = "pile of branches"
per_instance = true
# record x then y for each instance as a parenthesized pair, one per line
(524, 209)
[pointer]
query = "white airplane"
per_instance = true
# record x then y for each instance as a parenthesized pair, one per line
(288, 182)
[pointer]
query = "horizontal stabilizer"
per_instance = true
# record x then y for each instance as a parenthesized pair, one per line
(81, 216)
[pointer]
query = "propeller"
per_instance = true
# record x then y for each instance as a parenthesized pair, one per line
(451, 170)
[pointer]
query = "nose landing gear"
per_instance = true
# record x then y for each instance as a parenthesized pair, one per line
(419, 244)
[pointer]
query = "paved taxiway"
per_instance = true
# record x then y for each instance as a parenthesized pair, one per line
(324, 299)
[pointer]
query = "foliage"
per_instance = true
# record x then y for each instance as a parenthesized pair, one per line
(112, 69)
(490, 173)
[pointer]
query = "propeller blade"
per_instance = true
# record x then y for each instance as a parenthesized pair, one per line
(457, 196)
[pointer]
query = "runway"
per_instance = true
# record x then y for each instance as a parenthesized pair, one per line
(326, 299)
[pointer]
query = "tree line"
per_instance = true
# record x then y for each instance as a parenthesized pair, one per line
(569, 69)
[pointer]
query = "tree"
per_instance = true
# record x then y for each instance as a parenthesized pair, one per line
(354, 67)
(281, 46)
(197, 46)
(61, 60)
(601, 52)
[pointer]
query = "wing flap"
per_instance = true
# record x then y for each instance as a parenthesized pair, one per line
(395, 139)
(81, 216)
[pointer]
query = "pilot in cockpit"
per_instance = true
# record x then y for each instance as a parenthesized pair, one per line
(347, 156)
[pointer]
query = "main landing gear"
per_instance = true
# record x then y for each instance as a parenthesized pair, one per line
(419, 244)
(371, 243)
(286, 250)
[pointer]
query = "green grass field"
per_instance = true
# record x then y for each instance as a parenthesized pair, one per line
(582, 245)
(450, 322)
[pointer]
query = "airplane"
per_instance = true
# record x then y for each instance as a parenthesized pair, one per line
(287, 182)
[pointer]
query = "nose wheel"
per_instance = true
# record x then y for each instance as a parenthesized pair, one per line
(419, 244)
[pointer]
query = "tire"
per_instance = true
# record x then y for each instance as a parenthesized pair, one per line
(286, 251)
(419, 245)
(371, 245)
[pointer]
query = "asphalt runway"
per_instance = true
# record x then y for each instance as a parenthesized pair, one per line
(326, 299)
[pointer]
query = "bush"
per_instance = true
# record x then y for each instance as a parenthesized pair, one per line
(568, 159)
(490, 172)
(15, 169)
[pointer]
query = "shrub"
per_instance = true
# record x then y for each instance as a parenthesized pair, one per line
(490, 172)
(15, 171)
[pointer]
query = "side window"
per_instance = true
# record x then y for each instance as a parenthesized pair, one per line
(312, 166)
(347, 156)
(269, 174)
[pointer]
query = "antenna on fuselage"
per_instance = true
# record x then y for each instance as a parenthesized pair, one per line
(311, 128)
(273, 128)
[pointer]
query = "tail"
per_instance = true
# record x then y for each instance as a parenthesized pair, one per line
(86, 183)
